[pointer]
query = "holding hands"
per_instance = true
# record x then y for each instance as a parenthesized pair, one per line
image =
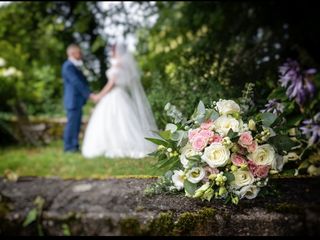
(94, 97)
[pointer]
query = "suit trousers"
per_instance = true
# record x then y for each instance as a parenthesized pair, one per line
(72, 130)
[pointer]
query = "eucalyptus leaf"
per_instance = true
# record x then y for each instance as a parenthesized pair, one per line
(231, 134)
(214, 115)
(268, 118)
(189, 187)
(201, 108)
(176, 136)
(230, 176)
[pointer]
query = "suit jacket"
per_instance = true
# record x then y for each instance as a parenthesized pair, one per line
(76, 87)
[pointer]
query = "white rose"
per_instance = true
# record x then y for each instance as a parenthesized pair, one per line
(249, 192)
(224, 123)
(178, 179)
(187, 152)
(226, 107)
(216, 155)
(242, 178)
(263, 155)
(196, 174)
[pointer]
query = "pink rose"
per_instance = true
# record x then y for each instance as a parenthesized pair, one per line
(215, 138)
(206, 133)
(206, 125)
(193, 133)
(252, 147)
(199, 142)
(238, 159)
(245, 139)
(260, 171)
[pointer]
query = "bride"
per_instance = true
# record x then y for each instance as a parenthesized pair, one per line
(122, 118)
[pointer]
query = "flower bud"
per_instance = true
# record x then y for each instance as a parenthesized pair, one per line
(235, 200)
(234, 168)
(212, 176)
(160, 147)
(222, 191)
(169, 149)
(252, 125)
(208, 194)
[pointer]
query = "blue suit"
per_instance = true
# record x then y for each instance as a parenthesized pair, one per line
(76, 94)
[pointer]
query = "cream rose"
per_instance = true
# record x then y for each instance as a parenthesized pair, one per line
(263, 155)
(216, 155)
(226, 107)
(242, 178)
(224, 123)
(196, 174)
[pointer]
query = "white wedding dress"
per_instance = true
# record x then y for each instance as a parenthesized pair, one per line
(121, 120)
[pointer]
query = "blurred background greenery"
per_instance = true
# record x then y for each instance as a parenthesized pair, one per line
(192, 51)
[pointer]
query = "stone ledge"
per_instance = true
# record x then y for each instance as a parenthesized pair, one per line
(118, 207)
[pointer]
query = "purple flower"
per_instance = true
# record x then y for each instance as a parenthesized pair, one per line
(298, 84)
(311, 129)
(274, 107)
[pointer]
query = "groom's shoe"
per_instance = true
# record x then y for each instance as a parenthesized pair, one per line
(75, 150)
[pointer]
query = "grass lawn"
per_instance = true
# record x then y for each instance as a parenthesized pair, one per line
(52, 161)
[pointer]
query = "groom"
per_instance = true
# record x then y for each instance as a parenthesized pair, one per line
(76, 94)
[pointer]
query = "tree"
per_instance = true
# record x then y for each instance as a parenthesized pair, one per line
(209, 50)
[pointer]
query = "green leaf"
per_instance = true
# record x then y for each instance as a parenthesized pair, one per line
(165, 134)
(199, 113)
(31, 217)
(195, 158)
(230, 176)
(158, 141)
(268, 118)
(201, 108)
(214, 115)
(190, 187)
(278, 93)
(166, 162)
(304, 165)
(294, 120)
(66, 230)
(282, 143)
(176, 136)
(231, 134)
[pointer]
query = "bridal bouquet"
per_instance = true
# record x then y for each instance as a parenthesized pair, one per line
(221, 152)
(230, 149)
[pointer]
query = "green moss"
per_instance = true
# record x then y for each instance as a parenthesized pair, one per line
(4, 209)
(5, 206)
(193, 222)
(130, 226)
(188, 223)
(162, 225)
(288, 208)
